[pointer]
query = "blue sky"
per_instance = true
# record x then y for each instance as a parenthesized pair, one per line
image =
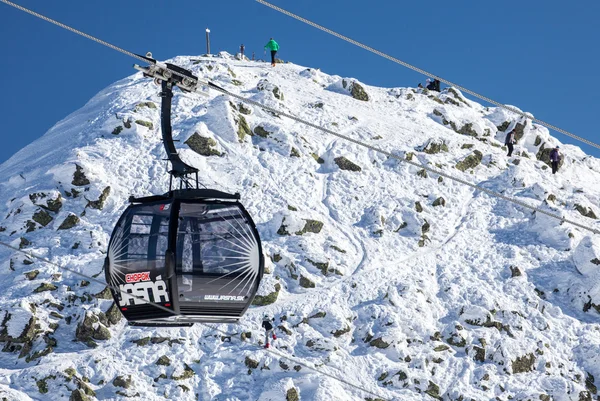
(539, 55)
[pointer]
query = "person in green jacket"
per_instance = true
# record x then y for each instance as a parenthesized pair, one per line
(273, 46)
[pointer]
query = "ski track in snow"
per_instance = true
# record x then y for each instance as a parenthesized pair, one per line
(407, 320)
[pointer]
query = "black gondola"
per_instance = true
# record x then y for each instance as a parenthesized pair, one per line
(196, 252)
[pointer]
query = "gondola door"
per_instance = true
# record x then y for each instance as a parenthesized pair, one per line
(219, 260)
(136, 262)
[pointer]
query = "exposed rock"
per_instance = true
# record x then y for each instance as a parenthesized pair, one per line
(140, 106)
(589, 383)
(584, 211)
(104, 294)
(433, 390)
(32, 274)
(319, 265)
(243, 128)
(122, 381)
(358, 92)
(306, 282)
(70, 222)
(503, 126)
(164, 361)
(441, 348)
(144, 123)
(311, 226)
(99, 204)
(202, 145)
(85, 331)
(250, 363)
(341, 332)
(118, 129)
(79, 178)
(538, 141)
(439, 202)
(294, 152)
(470, 162)
(140, 342)
(317, 158)
(523, 364)
(260, 131)
(260, 300)
(292, 395)
(519, 131)
(456, 341)
(263, 84)
(422, 173)
(379, 343)
(467, 146)
(433, 147)
(113, 314)
(78, 395)
(467, 129)
(42, 217)
(45, 287)
(243, 109)
(425, 227)
(479, 354)
(345, 164)
(515, 271)
(418, 207)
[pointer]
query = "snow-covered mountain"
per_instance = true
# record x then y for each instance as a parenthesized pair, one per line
(406, 284)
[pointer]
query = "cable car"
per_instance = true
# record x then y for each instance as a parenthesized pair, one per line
(194, 251)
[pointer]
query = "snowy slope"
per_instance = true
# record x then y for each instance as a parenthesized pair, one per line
(414, 288)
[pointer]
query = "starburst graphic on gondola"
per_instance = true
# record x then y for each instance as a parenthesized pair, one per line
(243, 250)
(117, 260)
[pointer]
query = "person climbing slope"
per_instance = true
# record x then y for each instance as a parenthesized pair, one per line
(555, 159)
(266, 324)
(273, 47)
(509, 141)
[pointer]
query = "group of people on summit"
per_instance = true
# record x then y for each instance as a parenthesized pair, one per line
(555, 156)
(272, 46)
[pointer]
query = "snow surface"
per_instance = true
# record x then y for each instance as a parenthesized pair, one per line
(410, 319)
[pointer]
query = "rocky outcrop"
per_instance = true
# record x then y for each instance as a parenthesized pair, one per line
(79, 178)
(202, 145)
(99, 204)
(345, 164)
(470, 162)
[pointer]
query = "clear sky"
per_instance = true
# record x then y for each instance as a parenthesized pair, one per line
(539, 55)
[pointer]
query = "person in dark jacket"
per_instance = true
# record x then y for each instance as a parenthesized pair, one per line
(274, 47)
(509, 141)
(555, 157)
(436, 85)
(266, 324)
(242, 48)
(429, 84)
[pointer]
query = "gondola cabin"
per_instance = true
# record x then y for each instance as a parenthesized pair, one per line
(196, 252)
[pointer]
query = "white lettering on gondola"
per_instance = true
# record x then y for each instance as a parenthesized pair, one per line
(223, 298)
(132, 292)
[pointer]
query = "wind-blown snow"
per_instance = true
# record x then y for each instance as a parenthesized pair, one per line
(474, 298)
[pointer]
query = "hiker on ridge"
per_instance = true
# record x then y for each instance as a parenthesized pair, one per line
(509, 141)
(273, 46)
(555, 158)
